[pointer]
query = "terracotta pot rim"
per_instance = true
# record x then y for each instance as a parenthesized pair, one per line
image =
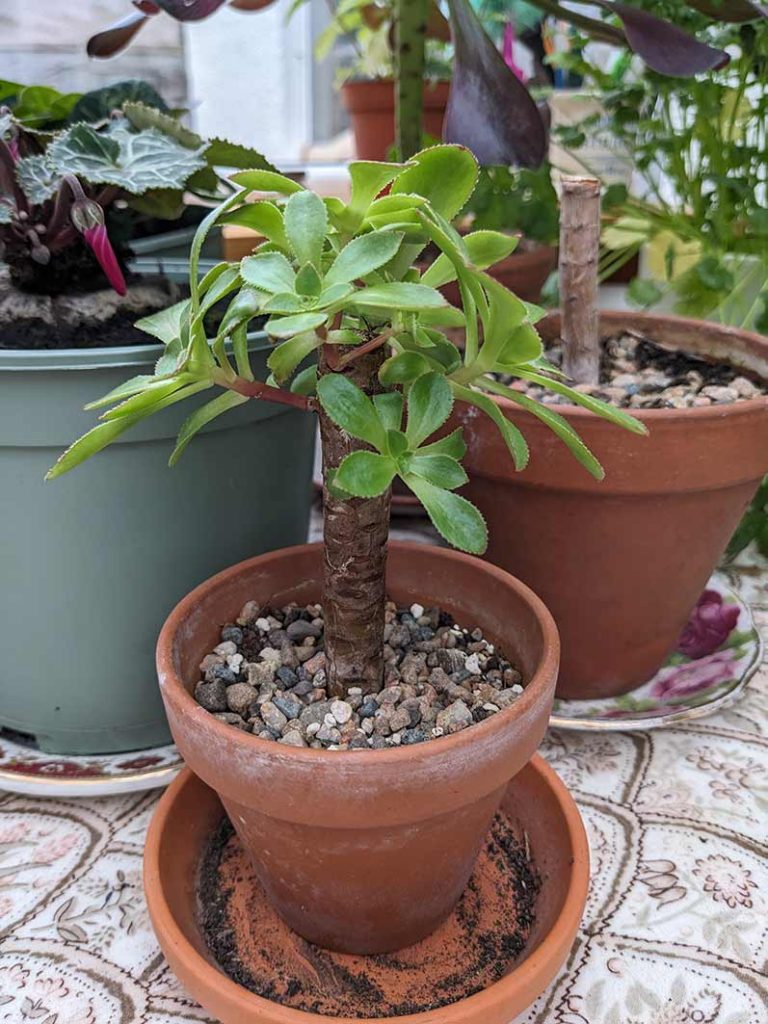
(546, 668)
(535, 968)
(429, 83)
(711, 412)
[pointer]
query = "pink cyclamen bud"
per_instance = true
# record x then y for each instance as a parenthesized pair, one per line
(88, 218)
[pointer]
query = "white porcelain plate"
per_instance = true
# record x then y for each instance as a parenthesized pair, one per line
(719, 651)
(25, 769)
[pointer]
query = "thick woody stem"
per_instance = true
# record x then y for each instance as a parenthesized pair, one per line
(355, 555)
(579, 255)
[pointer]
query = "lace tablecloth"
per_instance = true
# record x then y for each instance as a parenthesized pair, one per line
(675, 932)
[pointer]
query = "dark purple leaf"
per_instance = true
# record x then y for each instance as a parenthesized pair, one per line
(115, 38)
(189, 10)
(146, 6)
(730, 10)
(664, 47)
(490, 111)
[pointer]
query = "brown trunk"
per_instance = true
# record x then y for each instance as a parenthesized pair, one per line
(579, 254)
(355, 556)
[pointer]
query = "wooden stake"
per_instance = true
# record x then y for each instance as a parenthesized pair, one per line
(579, 254)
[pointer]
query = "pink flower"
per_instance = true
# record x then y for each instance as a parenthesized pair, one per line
(683, 680)
(88, 218)
(709, 625)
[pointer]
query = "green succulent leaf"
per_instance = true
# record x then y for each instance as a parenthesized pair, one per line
(389, 407)
(266, 181)
(244, 307)
(430, 401)
(222, 153)
(305, 381)
(263, 217)
(455, 518)
(397, 443)
(287, 356)
(451, 445)
(365, 474)
(135, 162)
(399, 295)
(166, 325)
(514, 440)
(556, 423)
(404, 368)
(595, 405)
(286, 326)
(484, 248)
(363, 255)
(441, 470)
(202, 417)
(269, 272)
(132, 387)
(306, 225)
(308, 281)
(368, 179)
(444, 175)
(350, 409)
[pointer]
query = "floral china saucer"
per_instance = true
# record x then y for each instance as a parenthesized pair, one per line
(25, 769)
(719, 651)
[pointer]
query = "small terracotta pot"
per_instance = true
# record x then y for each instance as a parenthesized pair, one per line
(524, 272)
(371, 108)
(363, 851)
(621, 563)
(536, 800)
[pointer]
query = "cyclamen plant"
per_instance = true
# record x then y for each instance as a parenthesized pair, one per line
(56, 184)
(359, 341)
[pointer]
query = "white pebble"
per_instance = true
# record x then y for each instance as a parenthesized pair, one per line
(417, 610)
(263, 625)
(313, 728)
(234, 661)
(330, 721)
(226, 648)
(341, 712)
(472, 664)
(270, 654)
(490, 707)
(517, 688)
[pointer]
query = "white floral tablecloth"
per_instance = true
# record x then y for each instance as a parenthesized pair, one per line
(675, 932)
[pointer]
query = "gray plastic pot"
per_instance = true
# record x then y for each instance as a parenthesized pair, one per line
(91, 564)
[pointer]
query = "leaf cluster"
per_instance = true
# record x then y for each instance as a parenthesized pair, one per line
(341, 279)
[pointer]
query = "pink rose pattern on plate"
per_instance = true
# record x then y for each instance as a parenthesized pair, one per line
(717, 653)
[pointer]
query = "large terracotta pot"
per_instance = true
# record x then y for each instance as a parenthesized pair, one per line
(363, 851)
(621, 563)
(524, 272)
(371, 108)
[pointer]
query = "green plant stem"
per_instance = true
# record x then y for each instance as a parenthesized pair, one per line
(410, 40)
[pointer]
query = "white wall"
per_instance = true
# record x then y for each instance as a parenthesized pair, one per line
(250, 79)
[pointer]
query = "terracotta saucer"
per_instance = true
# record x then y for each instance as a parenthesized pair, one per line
(540, 814)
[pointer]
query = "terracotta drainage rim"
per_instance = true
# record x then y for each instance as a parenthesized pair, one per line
(535, 969)
(547, 666)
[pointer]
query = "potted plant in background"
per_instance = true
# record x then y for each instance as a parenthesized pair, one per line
(62, 331)
(338, 284)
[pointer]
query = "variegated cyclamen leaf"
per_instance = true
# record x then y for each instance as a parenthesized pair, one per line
(135, 162)
(38, 178)
(6, 213)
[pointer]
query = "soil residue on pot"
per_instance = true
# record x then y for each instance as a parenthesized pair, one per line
(267, 676)
(473, 949)
(636, 373)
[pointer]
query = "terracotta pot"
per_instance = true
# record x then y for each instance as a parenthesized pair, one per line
(621, 563)
(536, 800)
(524, 272)
(371, 108)
(393, 834)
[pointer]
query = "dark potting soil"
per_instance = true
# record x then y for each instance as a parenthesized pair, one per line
(473, 949)
(636, 373)
(267, 676)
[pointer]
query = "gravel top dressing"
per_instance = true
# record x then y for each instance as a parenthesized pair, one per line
(473, 949)
(267, 676)
(639, 374)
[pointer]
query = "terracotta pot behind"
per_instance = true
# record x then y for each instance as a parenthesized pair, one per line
(371, 108)
(621, 563)
(363, 851)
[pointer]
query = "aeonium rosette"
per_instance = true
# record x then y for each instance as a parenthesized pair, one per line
(336, 282)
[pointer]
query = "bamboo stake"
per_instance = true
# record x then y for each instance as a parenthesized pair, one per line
(579, 255)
